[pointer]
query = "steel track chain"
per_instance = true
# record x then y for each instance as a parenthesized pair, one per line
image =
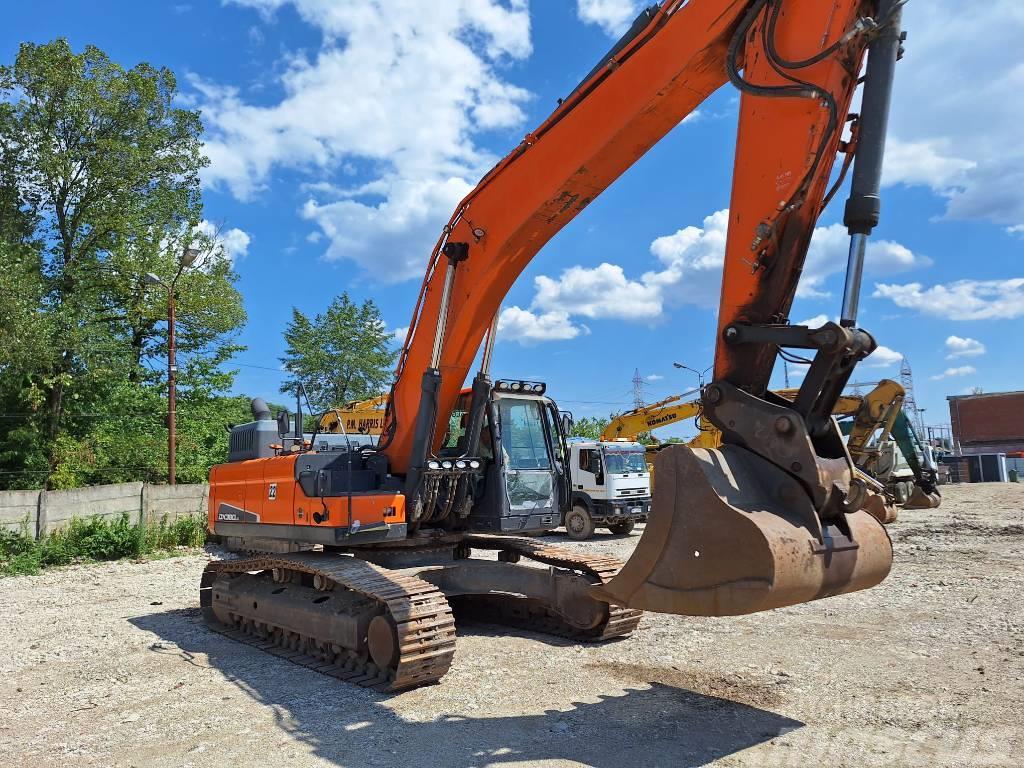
(424, 622)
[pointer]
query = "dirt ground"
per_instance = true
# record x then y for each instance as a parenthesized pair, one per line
(111, 665)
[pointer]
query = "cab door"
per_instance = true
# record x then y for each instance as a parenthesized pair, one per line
(590, 473)
(560, 457)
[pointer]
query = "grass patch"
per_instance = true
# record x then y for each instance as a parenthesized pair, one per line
(94, 539)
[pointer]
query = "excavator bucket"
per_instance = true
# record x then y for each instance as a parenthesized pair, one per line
(730, 533)
(921, 500)
(881, 508)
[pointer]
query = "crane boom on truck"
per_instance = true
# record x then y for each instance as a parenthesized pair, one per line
(771, 518)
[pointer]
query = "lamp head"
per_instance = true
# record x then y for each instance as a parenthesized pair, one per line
(189, 256)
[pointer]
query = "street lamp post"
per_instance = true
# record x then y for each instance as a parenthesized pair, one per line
(700, 374)
(188, 258)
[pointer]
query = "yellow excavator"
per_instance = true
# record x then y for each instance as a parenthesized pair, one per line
(358, 417)
(872, 421)
(672, 410)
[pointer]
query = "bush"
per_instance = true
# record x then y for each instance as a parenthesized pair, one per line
(19, 552)
(96, 538)
(183, 532)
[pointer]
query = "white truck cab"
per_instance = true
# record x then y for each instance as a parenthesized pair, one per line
(611, 487)
(895, 471)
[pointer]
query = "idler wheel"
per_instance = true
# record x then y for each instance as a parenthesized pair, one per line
(382, 642)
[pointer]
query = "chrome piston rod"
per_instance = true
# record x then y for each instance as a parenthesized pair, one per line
(854, 274)
(864, 204)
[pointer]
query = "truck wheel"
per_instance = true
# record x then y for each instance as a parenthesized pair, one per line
(578, 524)
(900, 492)
(623, 528)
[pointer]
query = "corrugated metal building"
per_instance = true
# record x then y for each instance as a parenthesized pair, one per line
(988, 423)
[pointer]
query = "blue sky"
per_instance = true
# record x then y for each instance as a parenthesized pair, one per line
(343, 132)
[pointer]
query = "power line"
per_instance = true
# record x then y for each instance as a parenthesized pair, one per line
(260, 367)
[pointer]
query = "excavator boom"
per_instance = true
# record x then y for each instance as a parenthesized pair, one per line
(775, 513)
(772, 517)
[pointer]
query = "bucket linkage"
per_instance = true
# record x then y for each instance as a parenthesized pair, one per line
(775, 516)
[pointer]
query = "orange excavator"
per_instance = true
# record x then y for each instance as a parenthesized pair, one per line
(361, 552)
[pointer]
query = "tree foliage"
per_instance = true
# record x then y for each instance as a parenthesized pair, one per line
(340, 355)
(99, 184)
(588, 427)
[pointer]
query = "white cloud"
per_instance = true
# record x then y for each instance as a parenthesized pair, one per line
(929, 162)
(692, 261)
(827, 255)
(1017, 229)
(399, 334)
(402, 91)
(232, 243)
(392, 238)
(883, 357)
(961, 347)
(601, 291)
(525, 327)
(613, 16)
(960, 300)
(797, 371)
(654, 377)
(961, 141)
(815, 322)
(690, 272)
(963, 370)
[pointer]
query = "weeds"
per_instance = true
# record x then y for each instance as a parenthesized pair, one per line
(96, 538)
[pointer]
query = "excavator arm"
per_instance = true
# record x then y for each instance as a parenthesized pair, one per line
(629, 425)
(774, 514)
(926, 478)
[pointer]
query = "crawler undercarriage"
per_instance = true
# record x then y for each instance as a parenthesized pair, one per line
(384, 617)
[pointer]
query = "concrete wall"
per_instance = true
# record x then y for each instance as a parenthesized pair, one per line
(109, 501)
(45, 511)
(174, 500)
(17, 507)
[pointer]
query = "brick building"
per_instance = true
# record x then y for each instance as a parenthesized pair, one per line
(988, 423)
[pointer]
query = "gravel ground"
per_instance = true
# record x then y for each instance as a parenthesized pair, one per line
(111, 665)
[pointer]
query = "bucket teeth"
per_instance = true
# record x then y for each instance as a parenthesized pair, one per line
(730, 533)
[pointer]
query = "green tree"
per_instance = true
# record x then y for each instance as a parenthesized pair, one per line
(343, 354)
(588, 427)
(99, 184)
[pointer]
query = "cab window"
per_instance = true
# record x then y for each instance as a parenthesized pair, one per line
(590, 460)
(522, 434)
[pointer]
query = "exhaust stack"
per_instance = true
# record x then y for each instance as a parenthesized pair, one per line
(260, 409)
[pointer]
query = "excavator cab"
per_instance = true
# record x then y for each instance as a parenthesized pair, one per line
(522, 485)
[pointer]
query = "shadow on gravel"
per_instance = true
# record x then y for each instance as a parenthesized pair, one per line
(663, 725)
